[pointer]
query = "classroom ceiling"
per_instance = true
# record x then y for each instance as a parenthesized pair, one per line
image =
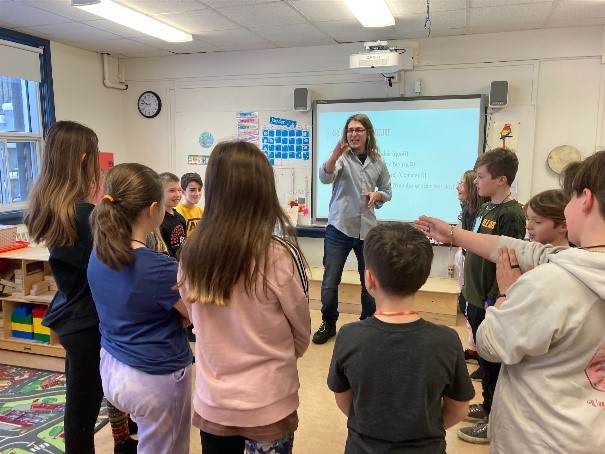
(239, 25)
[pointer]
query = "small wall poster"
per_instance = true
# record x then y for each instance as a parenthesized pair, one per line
(287, 146)
(247, 126)
(197, 160)
(505, 134)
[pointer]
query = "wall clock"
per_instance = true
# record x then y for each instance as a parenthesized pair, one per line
(149, 104)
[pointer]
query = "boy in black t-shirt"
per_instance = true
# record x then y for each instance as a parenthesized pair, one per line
(400, 379)
(173, 227)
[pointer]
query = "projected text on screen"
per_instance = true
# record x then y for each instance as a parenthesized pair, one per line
(426, 143)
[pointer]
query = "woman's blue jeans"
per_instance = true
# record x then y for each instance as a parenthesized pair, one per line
(337, 247)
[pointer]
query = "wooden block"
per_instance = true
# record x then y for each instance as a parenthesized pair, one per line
(7, 283)
(40, 286)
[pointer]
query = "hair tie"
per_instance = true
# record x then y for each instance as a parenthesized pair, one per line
(108, 197)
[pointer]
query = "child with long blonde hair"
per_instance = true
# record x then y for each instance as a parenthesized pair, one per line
(60, 204)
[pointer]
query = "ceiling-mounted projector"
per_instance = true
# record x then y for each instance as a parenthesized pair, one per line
(380, 58)
(376, 62)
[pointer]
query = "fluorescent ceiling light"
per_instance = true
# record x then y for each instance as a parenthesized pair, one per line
(132, 19)
(371, 13)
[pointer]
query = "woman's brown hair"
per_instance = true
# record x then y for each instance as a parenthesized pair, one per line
(234, 236)
(371, 145)
(69, 173)
(129, 189)
(473, 202)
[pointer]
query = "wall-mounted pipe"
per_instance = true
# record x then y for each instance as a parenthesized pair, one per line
(108, 83)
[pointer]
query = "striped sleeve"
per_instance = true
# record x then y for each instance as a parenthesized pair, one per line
(299, 262)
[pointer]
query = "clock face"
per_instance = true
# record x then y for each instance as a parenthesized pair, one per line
(149, 104)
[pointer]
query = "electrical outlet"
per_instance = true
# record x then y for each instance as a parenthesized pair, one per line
(450, 270)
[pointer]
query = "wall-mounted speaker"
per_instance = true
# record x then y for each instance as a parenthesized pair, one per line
(498, 93)
(302, 99)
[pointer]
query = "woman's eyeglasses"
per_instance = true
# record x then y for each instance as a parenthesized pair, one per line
(357, 130)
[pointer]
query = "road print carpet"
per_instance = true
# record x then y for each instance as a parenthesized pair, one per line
(32, 402)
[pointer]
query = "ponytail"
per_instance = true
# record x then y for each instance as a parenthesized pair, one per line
(129, 188)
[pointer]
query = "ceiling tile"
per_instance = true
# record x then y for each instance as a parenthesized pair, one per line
(490, 3)
(289, 33)
(439, 21)
(248, 46)
(199, 21)
(505, 27)
(116, 29)
(113, 46)
(499, 15)
(163, 6)
(74, 31)
(22, 15)
(402, 7)
(233, 37)
(227, 3)
(270, 14)
(578, 10)
(323, 10)
(61, 8)
(190, 47)
(354, 32)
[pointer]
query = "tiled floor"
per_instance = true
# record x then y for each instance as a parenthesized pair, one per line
(322, 427)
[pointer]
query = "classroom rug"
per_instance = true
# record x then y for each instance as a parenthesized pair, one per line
(32, 402)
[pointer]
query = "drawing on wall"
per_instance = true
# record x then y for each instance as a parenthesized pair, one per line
(247, 126)
(285, 143)
(197, 160)
(106, 164)
(206, 139)
(505, 134)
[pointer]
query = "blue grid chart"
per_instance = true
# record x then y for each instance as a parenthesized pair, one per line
(287, 146)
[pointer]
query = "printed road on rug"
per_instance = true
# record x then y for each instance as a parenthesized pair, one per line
(32, 403)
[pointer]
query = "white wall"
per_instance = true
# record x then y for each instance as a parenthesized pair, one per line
(556, 91)
(81, 96)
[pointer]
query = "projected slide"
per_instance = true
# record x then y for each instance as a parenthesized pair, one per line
(427, 145)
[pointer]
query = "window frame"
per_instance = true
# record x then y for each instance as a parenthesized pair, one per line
(47, 99)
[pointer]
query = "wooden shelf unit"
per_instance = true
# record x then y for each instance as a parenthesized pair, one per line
(21, 258)
(437, 300)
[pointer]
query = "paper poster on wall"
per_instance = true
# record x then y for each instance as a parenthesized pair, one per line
(197, 160)
(206, 139)
(247, 126)
(287, 146)
(105, 164)
(505, 134)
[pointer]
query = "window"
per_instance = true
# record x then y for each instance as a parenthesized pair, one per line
(20, 139)
(26, 113)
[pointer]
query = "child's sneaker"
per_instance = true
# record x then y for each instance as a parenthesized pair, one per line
(476, 433)
(476, 413)
(477, 375)
(470, 356)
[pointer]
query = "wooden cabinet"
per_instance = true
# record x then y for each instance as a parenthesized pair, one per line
(30, 265)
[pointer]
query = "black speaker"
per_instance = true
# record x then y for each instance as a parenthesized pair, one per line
(498, 93)
(302, 99)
